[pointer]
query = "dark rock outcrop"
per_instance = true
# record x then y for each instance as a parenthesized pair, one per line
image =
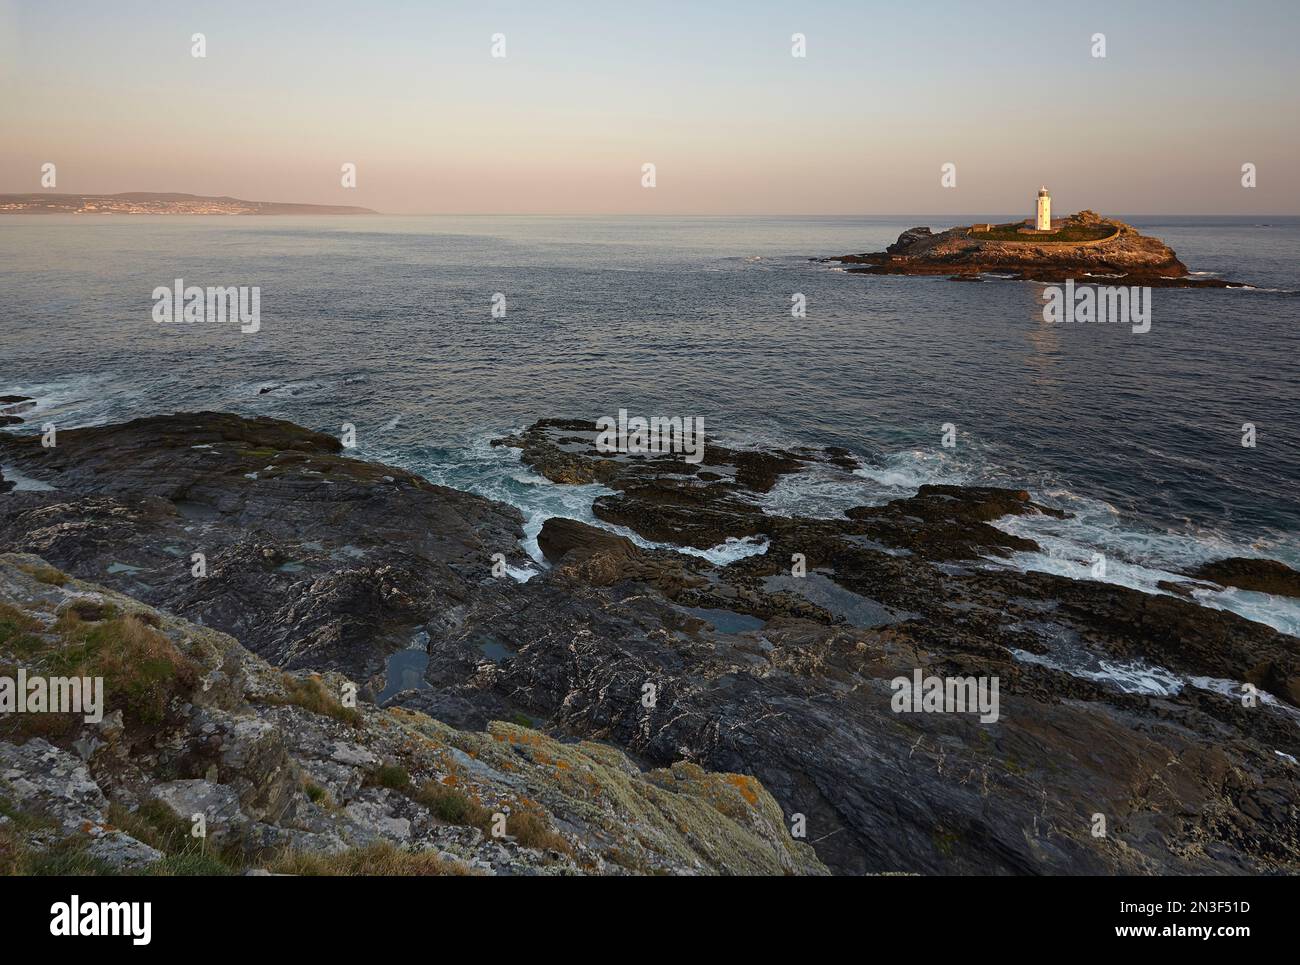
(778, 665)
(12, 407)
(1262, 576)
(284, 772)
(313, 560)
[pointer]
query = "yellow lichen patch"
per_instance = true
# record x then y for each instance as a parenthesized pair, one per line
(745, 785)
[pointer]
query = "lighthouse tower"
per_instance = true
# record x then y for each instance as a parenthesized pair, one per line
(1043, 221)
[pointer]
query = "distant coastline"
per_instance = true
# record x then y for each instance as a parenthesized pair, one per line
(155, 202)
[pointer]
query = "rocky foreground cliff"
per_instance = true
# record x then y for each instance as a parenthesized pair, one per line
(289, 776)
(665, 714)
(1083, 246)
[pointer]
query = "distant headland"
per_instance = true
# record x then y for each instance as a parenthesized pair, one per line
(153, 202)
(1080, 246)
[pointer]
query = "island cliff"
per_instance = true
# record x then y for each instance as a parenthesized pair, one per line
(1081, 246)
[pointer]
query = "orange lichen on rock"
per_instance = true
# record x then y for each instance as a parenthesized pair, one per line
(745, 785)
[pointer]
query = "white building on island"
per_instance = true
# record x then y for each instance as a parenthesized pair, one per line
(1043, 221)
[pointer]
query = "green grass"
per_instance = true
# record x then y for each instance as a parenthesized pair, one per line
(18, 632)
(453, 805)
(377, 859)
(185, 856)
(318, 795)
(44, 573)
(392, 776)
(69, 857)
(1068, 235)
(142, 669)
(189, 865)
(533, 830)
(311, 694)
(11, 853)
(156, 825)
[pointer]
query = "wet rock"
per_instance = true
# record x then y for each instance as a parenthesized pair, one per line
(11, 409)
(749, 701)
(1261, 576)
(627, 663)
(312, 559)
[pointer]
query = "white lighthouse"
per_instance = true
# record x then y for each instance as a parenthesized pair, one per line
(1043, 220)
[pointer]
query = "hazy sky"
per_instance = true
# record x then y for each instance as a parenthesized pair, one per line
(588, 92)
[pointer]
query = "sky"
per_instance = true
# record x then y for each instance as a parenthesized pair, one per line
(710, 94)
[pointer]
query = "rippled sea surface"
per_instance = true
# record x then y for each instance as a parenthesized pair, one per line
(386, 323)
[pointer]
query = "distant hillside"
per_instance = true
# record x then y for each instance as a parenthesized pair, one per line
(158, 202)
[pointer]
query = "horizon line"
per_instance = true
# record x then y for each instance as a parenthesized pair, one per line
(620, 214)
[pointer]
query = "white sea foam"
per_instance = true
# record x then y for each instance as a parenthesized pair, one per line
(495, 473)
(71, 402)
(521, 574)
(908, 471)
(24, 483)
(1138, 559)
(1135, 558)
(1138, 677)
(724, 554)
(1131, 677)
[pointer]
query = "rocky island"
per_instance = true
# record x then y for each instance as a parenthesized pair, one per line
(770, 744)
(1084, 246)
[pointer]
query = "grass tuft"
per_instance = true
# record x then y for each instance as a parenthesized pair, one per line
(44, 573)
(453, 806)
(392, 776)
(142, 669)
(18, 632)
(310, 694)
(376, 859)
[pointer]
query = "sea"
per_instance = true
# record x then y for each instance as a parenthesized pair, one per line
(387, 323)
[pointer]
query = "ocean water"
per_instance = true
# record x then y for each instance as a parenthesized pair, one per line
(385, 322)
